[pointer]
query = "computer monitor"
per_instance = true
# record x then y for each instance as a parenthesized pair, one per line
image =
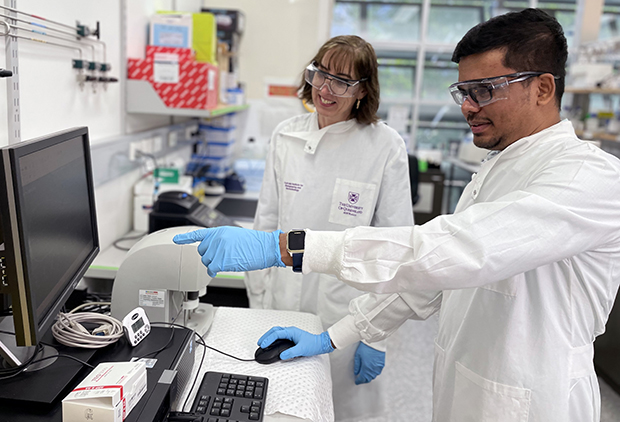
(48, 226)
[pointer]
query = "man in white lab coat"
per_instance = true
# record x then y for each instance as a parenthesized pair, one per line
(525, 271)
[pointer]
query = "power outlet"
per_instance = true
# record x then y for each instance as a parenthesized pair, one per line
(189, 132)
(146, 146)
(173, 138)
(133, 148)
(158, 144)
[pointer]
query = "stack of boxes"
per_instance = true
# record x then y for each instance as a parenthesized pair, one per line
(180, 63)
(215, 150)
(230, 27)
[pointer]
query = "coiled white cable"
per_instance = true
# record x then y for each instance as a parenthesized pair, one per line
(68, 329)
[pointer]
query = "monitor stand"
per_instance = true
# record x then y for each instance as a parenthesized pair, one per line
(13, 355)
(44, 386)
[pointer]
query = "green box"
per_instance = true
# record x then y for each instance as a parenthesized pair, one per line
(167, 175)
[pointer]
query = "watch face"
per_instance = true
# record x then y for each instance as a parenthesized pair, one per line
(296, 240)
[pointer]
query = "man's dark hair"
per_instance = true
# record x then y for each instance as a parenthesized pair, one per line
(532, 40)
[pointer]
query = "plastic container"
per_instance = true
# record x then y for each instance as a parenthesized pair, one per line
(217, 134)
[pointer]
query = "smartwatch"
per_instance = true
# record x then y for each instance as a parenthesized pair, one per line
(295, 241)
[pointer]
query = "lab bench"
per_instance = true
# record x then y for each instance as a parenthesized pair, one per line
(299, 390)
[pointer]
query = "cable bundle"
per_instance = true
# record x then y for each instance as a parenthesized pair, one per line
(70, 331)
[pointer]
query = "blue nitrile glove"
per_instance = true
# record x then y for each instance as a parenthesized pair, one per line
(234, 248)
(306, 344)
(368, 363)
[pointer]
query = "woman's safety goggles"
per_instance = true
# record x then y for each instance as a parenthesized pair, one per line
(486, 91)
(339, 87)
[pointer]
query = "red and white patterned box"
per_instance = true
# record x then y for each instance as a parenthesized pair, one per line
(183, 53)
(196, 86)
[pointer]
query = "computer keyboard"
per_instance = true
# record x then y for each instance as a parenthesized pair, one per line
(226, 397)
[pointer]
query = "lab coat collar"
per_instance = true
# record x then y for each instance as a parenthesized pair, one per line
(562, 129)
(313, 136)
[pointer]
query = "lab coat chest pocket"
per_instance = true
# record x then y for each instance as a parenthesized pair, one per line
(477, 399)
(353, 203)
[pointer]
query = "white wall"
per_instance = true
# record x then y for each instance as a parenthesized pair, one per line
(280, 37)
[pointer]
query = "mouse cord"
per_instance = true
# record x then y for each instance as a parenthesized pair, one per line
(202, 342)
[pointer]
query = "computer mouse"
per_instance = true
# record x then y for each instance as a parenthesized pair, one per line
(271, 353)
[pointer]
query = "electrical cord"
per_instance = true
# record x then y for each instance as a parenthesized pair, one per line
(201, 360)
(122, 248)
(68, 329)
(203, 343)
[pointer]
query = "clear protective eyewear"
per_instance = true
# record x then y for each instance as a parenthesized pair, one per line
(337, 85)
(487, 91)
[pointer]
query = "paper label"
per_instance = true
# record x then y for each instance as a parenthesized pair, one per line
(152, 298)
(166, 69)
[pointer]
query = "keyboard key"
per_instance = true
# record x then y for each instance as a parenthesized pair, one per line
(230, 398)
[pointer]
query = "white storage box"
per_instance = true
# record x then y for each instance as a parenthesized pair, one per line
(107, 394)
(219, 149)
(217, 134)
(224, 121)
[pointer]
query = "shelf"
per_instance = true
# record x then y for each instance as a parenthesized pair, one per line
(603, 136)
(142, 99)
(608, 91)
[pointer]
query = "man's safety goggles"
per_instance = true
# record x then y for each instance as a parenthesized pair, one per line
(340, 87)
(486, 91)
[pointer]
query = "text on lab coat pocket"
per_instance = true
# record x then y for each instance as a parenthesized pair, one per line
(353, 203)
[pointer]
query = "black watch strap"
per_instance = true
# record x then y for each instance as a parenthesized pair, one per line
(298, 260)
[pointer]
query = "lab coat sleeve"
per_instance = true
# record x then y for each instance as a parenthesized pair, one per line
(373, 318)
(265, 219)
(565, 210)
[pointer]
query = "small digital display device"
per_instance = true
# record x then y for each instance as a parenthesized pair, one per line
(136, 326)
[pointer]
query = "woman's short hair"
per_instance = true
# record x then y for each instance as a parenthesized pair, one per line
(352, 53)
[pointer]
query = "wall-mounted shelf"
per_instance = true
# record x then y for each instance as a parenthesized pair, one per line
(142, 99)
(608, 91)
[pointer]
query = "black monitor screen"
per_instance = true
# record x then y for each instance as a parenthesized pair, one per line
(49, 226)
(55, 217)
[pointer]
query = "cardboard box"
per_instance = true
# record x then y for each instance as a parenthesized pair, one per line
(205, 37)
(181, 53)
(107, 394)
(171, 30)
(179, 83)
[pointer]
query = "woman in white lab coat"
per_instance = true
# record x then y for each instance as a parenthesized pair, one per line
(332, 170)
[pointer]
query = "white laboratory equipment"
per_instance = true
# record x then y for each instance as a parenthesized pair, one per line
(164, 279)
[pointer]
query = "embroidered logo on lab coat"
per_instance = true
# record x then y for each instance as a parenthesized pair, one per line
(352, 203)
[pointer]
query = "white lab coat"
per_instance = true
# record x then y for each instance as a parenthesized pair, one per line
(529, 265)
(344, 175)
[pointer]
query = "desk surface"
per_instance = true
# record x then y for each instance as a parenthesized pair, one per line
(300, 388)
